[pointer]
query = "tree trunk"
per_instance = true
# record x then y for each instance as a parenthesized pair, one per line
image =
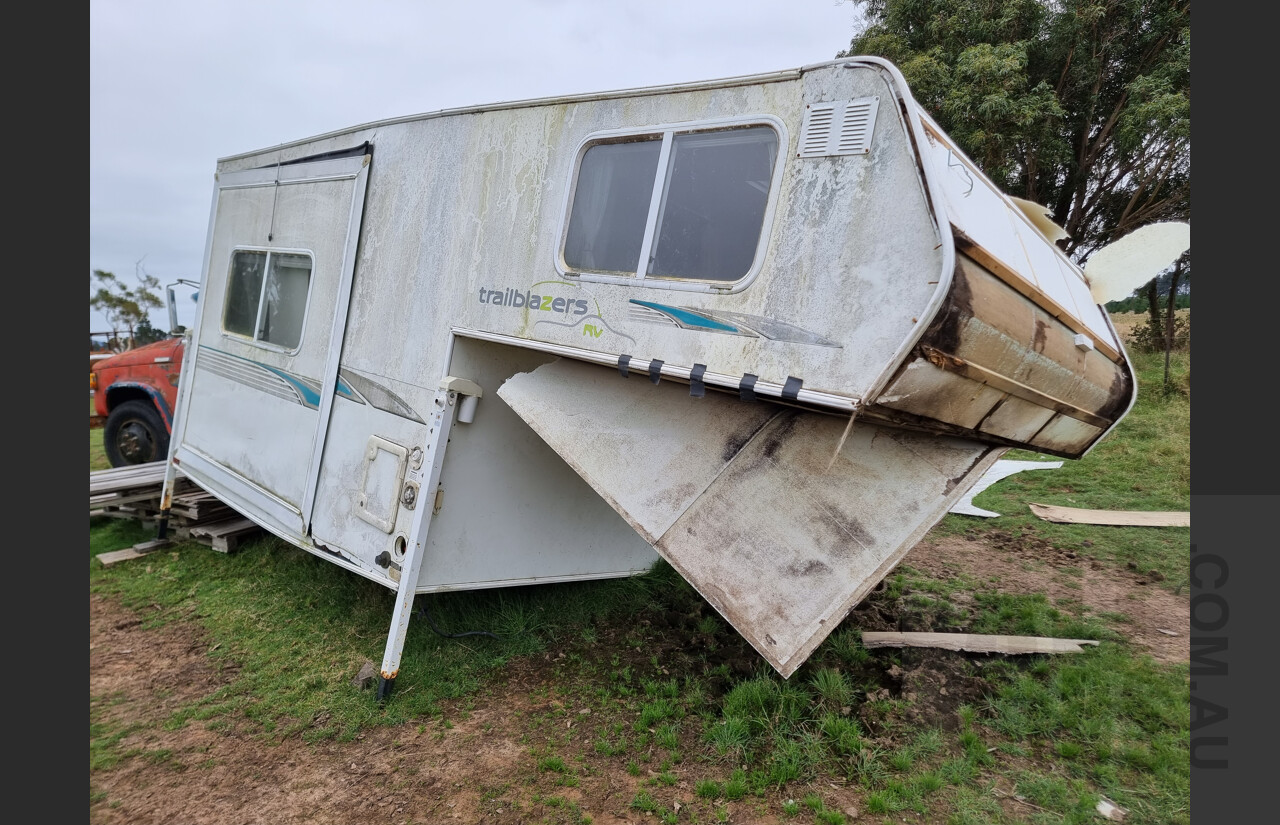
(1169, 318)
(1153, 303)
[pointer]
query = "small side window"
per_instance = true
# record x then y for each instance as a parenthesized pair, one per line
(267, 296)
(677, 205)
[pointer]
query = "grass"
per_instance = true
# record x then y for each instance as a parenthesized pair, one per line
(271, 598)
(1062, 731)
(97, 453)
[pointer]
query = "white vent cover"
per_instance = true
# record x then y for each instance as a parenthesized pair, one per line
(838, 127)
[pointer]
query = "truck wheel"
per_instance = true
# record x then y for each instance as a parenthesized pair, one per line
(135, 434)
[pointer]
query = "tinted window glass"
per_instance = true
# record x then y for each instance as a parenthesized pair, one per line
(285, 299)
(267, 296)
(244, 291)
(717, 189)
(610, 205)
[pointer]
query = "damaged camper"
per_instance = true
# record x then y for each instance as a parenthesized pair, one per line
(769, 328)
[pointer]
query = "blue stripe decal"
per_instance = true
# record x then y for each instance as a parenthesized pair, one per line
(157, 398)
(307, 392)
(310, 397)
(687, 318)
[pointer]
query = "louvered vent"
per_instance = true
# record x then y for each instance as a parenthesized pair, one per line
(839, 127)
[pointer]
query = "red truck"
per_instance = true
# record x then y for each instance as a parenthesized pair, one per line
(134, 395)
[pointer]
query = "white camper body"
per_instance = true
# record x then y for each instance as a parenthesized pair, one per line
(770, 328)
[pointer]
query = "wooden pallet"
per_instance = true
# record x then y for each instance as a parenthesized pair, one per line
(225, 535)
(194, 514)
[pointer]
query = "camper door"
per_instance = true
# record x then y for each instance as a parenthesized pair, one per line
(281, 257)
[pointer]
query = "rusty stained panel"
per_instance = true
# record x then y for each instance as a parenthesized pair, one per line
(974, 372)
(925, 390)
(1099, 333)
(1067, 435)
(987, 323)
(737, 496)
(1016, 419)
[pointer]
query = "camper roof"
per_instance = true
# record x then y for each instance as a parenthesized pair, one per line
(639, 91)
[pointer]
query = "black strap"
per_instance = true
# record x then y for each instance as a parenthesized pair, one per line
(655, 370)
(791, 389)
(696, 388)
(747, 387)
(623, 360)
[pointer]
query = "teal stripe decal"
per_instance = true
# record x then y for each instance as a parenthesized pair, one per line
(310, 397)
(686, 317)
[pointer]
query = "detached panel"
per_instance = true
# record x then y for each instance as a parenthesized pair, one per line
(739, 499)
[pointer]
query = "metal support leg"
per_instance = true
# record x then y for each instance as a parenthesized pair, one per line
(166, 499)
(440, 424)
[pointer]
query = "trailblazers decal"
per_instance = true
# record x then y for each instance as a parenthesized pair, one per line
(546, 303)
(560, 311)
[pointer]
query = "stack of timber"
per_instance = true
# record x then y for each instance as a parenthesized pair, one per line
(135, 492)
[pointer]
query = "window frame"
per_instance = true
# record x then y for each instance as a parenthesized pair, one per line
(254, 340)
(667, 133)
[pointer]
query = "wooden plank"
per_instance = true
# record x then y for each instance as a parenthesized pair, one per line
(113, 499)
(209, 512)
(113, 513)
(135, 475)
(221, 526)
(1118, 518)
(135, 552)
(231, 543)
(117, 556)
(123, 478)
(147, 470)
(975, 643)
(199, 505)
(134, 493)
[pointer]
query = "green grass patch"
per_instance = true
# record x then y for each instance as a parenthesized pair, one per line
(97, 453)
(299, 629)
(1115, 723)
(104, 743)
(552, 763)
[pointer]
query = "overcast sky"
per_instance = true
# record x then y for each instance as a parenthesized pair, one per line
(175, 86)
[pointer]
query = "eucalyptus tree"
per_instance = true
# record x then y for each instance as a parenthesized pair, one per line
(1083, 106)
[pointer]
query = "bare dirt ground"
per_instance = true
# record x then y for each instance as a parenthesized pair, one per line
(479, 768)
(1158, 620)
